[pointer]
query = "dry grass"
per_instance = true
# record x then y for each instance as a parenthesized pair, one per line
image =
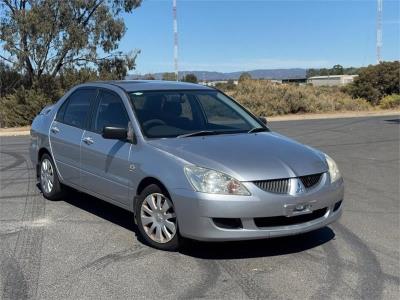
(390, 102)
(267, 99)
(20, 108)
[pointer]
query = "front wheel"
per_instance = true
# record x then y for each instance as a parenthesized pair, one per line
(49, 182)
(156, 219)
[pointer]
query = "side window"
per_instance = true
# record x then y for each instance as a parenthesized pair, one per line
(61, 111)
(218, 112)
(77, 110)
(110, 112)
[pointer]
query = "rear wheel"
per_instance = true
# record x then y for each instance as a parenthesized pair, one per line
(156, 219)
(49, 182)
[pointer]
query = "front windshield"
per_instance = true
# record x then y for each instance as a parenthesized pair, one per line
(182, 113)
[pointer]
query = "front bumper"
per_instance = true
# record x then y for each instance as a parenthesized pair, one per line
(196, 212)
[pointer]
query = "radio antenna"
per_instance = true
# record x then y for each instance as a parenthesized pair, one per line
(175, 41)
(379, 31)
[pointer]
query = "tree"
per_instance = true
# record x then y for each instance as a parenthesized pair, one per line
(9, 79)
(70, 77)
(230, 85)
(376, 81)
(311, 73)
(115, 68)
(337, 70)
(245, 76)
(149, 77)
(190, 78)
(45, 36)
(324, 72)
(169, 76)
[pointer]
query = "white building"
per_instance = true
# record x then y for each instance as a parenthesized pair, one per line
(215, 82)
(331, 80)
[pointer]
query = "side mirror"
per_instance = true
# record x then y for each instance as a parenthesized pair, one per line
(115, 133)
(263, 120)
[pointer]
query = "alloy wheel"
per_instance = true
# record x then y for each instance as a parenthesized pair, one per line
(47, 175)
(158, 218)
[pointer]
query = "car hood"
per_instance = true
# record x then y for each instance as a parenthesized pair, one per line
(247, 157)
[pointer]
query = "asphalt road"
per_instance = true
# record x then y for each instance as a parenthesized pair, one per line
(83, 247)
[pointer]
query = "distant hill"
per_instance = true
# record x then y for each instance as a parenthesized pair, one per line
(257, 74)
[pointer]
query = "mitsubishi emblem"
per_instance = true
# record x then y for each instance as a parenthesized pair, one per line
(299, 187)
(296, 186)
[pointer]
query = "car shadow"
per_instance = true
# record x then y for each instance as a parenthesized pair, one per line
(258, 248)
(206, 250)
(393, 121)
(101, 209)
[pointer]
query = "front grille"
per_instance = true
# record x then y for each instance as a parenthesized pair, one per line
(282, 186)
(278, 186)
(310, 180)
(285, 221)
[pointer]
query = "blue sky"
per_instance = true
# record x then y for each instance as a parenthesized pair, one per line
(223, 35)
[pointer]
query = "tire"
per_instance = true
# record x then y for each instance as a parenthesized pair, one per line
(156, 219)
(47, 172)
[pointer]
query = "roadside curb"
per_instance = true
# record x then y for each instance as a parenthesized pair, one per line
(339, 115)
(22, 131)
(15, 133)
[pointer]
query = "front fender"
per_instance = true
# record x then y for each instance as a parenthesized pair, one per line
(161, 165)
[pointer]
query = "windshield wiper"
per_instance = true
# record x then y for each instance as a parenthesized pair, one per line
(258, 129)
(198, 133)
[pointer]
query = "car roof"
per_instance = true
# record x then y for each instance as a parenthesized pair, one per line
(148, 85)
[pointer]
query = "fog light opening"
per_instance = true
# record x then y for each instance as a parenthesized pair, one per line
(337, 205)
(228, 223)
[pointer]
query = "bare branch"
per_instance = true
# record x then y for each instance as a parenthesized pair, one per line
(91, 13)
(7, 59)
(9, 5)
(95, 60)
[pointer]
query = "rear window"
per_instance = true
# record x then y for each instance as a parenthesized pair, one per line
(77, 108)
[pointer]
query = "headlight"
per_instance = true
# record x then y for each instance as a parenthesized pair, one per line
(213, 182)
(334, 172)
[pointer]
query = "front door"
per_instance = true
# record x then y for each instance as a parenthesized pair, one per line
(104, 162)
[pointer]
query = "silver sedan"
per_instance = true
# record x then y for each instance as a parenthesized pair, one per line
(188, 161)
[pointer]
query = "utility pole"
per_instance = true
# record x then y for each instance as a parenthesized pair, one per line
(175, 41)
(379, 31)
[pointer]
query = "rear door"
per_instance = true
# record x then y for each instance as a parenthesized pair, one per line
(105, 162)
(66, 133)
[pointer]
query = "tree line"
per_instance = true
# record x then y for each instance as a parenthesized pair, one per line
(335, 70)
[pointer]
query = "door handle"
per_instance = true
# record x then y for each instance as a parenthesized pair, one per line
(88, 140)
(55, 129)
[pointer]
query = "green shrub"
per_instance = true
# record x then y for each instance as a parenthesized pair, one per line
(20, 108)
(267, 99)
(376, 82)
(390, 102)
